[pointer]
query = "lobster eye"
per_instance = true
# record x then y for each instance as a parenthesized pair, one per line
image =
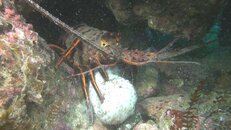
(104, 43)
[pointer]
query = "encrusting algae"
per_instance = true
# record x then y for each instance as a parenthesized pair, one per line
(19, 72)
(27, 75)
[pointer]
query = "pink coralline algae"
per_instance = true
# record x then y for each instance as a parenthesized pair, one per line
(19, 27)
(7, 94)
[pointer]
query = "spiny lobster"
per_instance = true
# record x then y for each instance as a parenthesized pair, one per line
(101, 46)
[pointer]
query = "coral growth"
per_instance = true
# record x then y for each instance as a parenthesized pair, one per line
(182, 120)
(199, 112)
(156, 108)
(19, 68)
(27, 75)
(20, 29)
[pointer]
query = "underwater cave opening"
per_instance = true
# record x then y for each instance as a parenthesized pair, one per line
(74, 12)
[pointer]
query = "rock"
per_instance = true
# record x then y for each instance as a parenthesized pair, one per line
(131, 122)
(120, 99)
(188, 75)
(185, 18)
(79, 116)
(98, 125)
(147, 81)
(149, 125)
(173, 86)
(122, 11)
(20, 66)
(32, 90)
(217, 60)
(156, 108)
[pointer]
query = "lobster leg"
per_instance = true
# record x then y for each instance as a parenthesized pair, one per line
(68, 52)
(83, 78)
(65, 55)
(84, 86)
(101, 97)
(57, 47)
(85, 89)
(102, 68)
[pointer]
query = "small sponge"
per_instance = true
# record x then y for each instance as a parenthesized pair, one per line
(120, 99)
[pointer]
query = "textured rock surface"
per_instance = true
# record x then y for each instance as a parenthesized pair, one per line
(147, 81)
(217, 60)
(98, 125)
(30, 86)
(186, 18)
(156, 108)
(189, 74)
(149, 125)
(122, 10)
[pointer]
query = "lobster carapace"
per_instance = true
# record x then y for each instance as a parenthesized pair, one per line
(104, 39)
(87, 58)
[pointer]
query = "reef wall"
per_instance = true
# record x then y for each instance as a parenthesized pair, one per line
(185, 18)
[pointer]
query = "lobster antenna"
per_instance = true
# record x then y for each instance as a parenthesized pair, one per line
(63, 25)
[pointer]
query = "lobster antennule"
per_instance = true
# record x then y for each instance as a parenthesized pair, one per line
(174, 53)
